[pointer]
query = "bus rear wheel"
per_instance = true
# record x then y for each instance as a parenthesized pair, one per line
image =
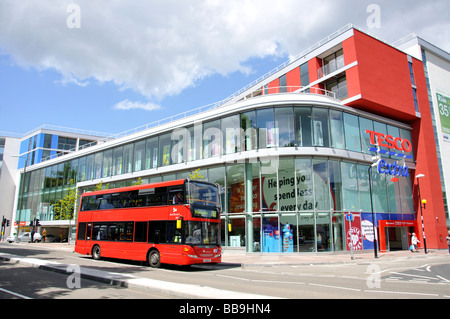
(96, 252)
(153, 258)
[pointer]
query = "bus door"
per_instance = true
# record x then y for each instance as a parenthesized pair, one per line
(167, 238)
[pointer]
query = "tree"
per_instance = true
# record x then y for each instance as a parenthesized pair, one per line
(64, 208)
(196, 175)
(100, 186)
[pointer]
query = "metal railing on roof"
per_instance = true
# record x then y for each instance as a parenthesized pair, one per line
(67, 130)
(293, 59)
(257, 93)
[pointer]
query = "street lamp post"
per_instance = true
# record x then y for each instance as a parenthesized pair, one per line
(375, 249)
(419, 176)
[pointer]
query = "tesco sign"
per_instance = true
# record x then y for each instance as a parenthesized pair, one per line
(393, 143)
(390, 142)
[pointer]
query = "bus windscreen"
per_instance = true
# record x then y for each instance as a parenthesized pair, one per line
(203, 194)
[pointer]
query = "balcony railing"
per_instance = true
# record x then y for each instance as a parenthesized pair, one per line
(331, 67)
(289, 89)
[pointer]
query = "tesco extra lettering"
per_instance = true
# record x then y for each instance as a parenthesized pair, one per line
(392, 169)
(390, 142)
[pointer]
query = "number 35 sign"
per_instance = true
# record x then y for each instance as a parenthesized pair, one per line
(444, 114)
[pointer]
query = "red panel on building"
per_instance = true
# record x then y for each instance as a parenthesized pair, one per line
(293, 80)
(383, 78)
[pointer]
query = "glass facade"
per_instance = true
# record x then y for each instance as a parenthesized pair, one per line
(42, 146)
(285, 203)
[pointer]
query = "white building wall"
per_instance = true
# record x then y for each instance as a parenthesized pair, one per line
(439, 75)
(438, 66)
(8, 179)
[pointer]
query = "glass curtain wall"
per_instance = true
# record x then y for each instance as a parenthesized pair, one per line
(299, 201)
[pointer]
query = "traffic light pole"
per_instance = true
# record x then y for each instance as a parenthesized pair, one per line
(421, 214)
(3, 227)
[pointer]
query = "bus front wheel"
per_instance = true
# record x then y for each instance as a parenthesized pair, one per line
(96, 252)
(154, 259)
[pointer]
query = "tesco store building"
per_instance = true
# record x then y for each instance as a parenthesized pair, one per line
(339, 130)
(290, 167)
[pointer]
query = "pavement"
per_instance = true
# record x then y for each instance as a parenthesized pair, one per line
(239, 256)
(231, 256)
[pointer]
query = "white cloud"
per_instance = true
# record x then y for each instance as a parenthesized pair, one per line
(159, 48)
(126, 105)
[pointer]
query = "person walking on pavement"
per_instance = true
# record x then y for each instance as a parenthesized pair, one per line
(448, 241)
(44, 234)
(414, 242)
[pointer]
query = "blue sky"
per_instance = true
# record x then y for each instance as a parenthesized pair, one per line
(129, 63)
(31, 98)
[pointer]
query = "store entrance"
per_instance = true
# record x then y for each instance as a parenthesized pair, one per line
(394, 234)
(396, 238)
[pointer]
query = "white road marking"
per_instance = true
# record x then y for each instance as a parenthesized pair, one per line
(14, 293)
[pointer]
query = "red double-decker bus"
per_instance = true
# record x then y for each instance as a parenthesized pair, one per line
(176, 222)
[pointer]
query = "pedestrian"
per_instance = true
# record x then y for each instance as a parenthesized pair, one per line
(44, 234)
(448, 241)
(32, 235)
(414, 242)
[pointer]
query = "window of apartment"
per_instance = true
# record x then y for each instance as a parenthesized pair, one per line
(413, 83)
(164, 150)
(416, 105)
(266, 128)
(248, 126)
(48, 141)
(284, 124)
(81, 169)
(117, 160)
(231, 134)
(107, 163)
(320, 127)
(381, 128)
(66, 143)
(332, 63)
(302, 119)
(73, 171)
(212, 139)
(98, 159)
(180, 140)
(338, 87)
(351, 128)
(82, 143)
(304, 74)
(337, 129)
(365, 124)
(411, 73)
(128, 158)
(45, 154)
(90, 167)
(139, 155)
(283, 83)
(151, 153)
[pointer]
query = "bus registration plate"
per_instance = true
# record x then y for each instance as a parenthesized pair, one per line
(206, 260)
